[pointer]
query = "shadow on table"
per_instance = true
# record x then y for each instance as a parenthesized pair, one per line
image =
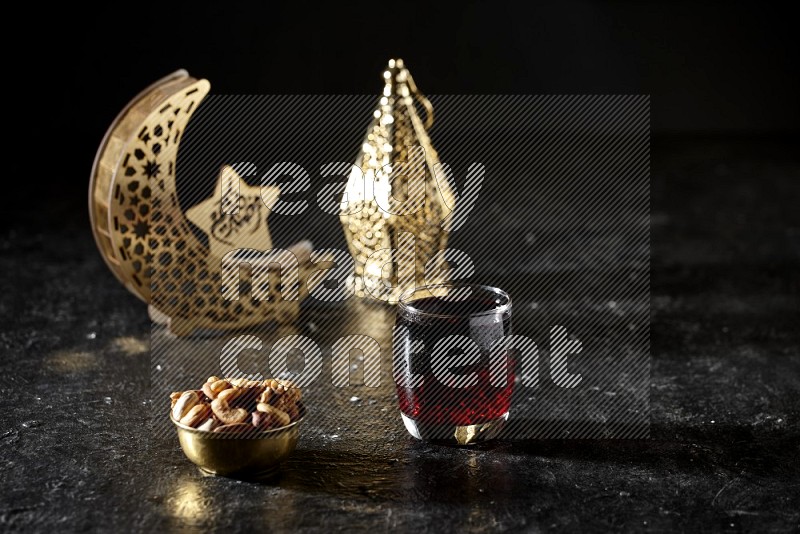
(505, 469)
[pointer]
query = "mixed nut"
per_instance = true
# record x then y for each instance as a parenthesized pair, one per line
(238, 405)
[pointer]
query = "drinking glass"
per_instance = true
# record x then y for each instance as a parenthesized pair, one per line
(454, 379)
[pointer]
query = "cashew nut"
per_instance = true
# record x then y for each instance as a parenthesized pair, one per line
(237, 405)
(244, 382)
(212, 389)
(226, 413)
(184, 403)
(277, 416)
(208, 426)
(229, 394)
(198, 413)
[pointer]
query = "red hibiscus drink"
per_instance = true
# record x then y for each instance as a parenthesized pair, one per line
(451, 384)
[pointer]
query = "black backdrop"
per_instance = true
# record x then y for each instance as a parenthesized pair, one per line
(711, 68)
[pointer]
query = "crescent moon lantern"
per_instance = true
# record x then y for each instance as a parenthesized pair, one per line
(142, 231)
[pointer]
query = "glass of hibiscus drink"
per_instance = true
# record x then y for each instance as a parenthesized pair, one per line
(454, 376)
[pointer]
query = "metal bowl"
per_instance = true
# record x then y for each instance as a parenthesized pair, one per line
(258, 456)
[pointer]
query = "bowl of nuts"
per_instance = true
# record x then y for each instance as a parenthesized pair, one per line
(238, 427)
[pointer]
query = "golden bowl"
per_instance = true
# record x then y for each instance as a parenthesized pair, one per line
(258, 456)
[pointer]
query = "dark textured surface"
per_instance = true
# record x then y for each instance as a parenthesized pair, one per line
(725, 395)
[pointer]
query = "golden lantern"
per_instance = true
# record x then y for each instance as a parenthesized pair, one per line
(397, 198)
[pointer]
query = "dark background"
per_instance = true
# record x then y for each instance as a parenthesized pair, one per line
(711, 68)
(75, 368)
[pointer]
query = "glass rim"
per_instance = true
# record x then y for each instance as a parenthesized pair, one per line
(406, 306)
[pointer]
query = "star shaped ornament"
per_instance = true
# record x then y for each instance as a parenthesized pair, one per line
(235, 216)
